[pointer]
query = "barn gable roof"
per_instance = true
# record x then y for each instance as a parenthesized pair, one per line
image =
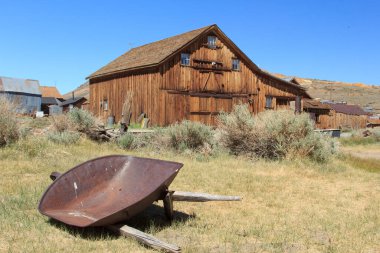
(155, 53)
(149, 54)
(18, 85)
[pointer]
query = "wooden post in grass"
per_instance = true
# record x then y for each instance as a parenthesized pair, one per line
(144, 238)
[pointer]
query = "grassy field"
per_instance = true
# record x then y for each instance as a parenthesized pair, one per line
(287, 206)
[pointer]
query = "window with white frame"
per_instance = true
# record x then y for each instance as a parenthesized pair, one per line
(185, 59)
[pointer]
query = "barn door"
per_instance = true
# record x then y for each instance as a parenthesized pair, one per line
(206, 109)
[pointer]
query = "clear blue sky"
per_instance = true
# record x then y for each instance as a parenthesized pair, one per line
(62, 42)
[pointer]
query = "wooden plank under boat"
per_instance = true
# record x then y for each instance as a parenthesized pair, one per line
(107, 190)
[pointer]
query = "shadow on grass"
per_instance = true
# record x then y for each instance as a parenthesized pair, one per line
(151, 218)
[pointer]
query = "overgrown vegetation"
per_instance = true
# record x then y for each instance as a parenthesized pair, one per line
(357, 138)
(64, 137)
(189, 135)
(273, 135)
(9, 128)
(82, 120)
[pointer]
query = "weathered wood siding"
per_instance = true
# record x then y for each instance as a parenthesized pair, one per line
(335, 120)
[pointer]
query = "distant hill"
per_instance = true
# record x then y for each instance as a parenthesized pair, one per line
(352, 93)
(82, 91)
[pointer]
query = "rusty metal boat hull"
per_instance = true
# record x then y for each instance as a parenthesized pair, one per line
(107, 190)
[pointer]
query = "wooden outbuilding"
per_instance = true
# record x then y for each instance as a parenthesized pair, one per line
(335, 116)
(192, 76)
(50, 96)
(74, 102)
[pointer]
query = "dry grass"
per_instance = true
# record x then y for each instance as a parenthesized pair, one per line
(288, 206)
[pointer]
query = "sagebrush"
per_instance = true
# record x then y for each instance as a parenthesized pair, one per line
(83, 120)
(189, 135)
(65, 137)
(9, 127)
(273, 135)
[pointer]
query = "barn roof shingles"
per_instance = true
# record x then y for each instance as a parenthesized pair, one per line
(149, 54)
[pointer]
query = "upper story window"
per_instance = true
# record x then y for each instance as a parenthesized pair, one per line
(268, 102)
(211, 41)
(185, 59)
(235, 64)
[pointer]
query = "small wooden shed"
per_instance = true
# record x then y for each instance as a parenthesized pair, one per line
(335, 116)
(191, 76)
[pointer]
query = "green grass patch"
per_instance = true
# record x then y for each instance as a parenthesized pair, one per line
(358, 140)
(367, 164)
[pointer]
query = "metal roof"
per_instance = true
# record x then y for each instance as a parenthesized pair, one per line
(8, 84)
(71, 101)
(50, 101)
(348, 109)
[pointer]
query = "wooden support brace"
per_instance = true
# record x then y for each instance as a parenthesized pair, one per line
(168, 205)
(201, 197)
(144, 238)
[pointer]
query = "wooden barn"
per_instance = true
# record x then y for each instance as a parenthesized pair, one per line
(335, 116)
(192, 76)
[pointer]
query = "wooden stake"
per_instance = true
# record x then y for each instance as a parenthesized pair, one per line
(144, 238)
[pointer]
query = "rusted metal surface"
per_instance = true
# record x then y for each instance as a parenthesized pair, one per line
(19, 85)
(107, 190)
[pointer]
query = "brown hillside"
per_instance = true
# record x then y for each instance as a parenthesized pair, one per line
(81, 91)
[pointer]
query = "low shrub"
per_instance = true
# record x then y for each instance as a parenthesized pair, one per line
(82, 119)
(273, 135)
(9, 127)
(189, 135)
(65, 137)
(157, 140)
(126, 141)
(62, 123)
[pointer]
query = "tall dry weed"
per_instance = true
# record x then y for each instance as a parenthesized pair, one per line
(9, 128)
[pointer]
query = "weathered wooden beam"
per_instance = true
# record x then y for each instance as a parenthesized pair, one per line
(144, 238)
(168, 205)
(201, 197)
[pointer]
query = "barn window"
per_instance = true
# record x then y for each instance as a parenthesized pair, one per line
(211, 41)
(268, 102)
(235, 64)
(105, 104)
(185, 59)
